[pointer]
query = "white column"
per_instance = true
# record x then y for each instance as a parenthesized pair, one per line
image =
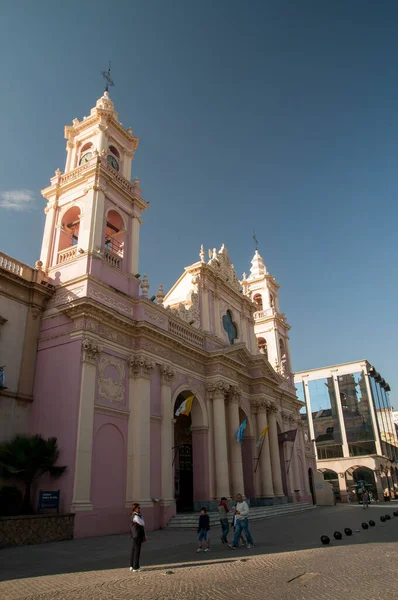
(373, 414)
(253, 337)
(220, 439)
(309, 415)
(139, 441)
(167, 436)
(84, 444)
(102, 142)
(205, 307)
(217, 316)
(97, 240)
(87, 222)
(134, 243)
(69, 147)
(235, 448)
(346, 452)
(48, 236)
(274, 449)
(300, 433)
(266, 488)
(212, 489)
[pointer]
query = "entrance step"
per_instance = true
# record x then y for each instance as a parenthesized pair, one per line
(257, 513)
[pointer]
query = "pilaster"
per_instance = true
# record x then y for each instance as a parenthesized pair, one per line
(167, 378)
(274, 449)
(134, 243)
(84, 445)
(138, 452)
(265, 488)
(235, 449)
(217, 391)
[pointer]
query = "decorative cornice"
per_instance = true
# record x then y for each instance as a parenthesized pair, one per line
(140, 366)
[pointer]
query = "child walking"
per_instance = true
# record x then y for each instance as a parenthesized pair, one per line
(203, 530)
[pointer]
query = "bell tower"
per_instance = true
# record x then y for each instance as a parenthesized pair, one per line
(271, 327)
(93, 213)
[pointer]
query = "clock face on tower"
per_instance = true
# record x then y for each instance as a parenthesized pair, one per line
(113, 162)
(85, 158)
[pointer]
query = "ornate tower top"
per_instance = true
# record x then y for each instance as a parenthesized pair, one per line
(258, 268)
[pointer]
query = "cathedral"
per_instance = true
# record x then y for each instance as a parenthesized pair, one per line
(172, 400)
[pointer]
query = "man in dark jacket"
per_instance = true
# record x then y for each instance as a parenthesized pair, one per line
(137, 528)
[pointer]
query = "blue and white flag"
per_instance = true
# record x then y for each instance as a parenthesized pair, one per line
(239, 433)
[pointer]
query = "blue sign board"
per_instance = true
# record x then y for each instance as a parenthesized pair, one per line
(49, 500)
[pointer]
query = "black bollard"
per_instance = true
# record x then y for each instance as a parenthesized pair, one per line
(325, 539)
(348, 531)
(372, 523)
(365, 526)
(337, 535)
(382, 519)
(388, 517)
(395, 513)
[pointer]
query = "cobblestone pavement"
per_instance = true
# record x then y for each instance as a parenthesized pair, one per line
(287, 561)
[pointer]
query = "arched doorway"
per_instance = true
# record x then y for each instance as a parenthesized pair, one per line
(311, 482)
(333, 478)
(360, 478)
(190, 454)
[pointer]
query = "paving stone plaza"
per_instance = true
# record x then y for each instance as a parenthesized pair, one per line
(288, 561)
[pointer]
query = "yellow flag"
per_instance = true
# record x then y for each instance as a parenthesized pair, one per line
(262, 436)
(185, 408)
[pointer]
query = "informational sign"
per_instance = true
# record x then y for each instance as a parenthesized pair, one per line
(49, 500)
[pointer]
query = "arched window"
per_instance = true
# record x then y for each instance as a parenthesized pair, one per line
(258, 299)
(114, 151)
(262, 346)
(115, 233)
(230, 327)
(69, 234)
(86, 153)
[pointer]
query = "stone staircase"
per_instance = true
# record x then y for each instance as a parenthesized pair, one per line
(190, 520)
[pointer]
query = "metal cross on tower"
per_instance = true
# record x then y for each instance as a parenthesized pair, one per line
(107, 76)
(255, 240)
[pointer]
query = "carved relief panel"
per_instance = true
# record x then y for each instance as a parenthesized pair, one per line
(111, 382)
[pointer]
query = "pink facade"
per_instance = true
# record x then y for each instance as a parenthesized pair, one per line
(113, 366)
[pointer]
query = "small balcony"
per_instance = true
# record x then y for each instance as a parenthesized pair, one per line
(66, 255)
(113, 253)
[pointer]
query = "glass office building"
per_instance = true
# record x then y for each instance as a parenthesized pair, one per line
(347, 412)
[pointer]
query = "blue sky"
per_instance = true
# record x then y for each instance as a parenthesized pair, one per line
(274, 116)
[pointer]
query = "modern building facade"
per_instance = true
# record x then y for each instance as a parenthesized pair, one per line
(348, 414)
(114, 362)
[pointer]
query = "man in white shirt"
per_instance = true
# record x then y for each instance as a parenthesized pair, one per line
(242, 523)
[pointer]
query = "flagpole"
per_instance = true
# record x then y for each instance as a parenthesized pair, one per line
(259, 454)
(291, 455)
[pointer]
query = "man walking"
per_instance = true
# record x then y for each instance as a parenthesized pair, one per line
(242, 523)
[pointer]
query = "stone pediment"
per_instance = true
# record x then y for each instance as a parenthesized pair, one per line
(222, 265)
(240, 354)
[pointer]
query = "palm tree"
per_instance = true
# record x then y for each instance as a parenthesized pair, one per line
(25, 458)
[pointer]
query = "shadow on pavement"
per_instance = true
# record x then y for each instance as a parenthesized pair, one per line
(172, 549)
